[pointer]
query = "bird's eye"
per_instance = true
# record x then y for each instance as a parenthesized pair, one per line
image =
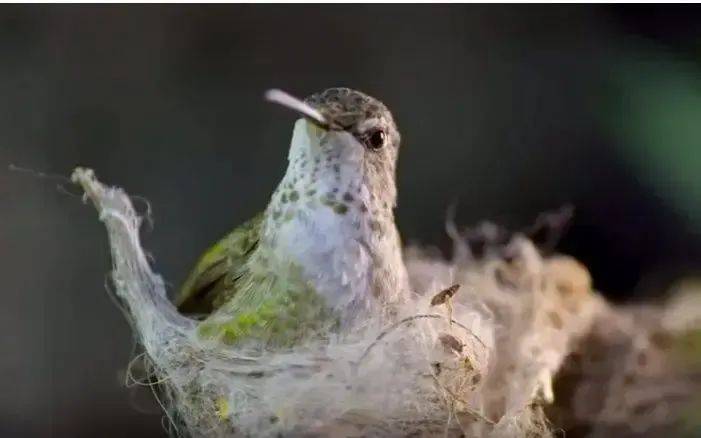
(376, 139)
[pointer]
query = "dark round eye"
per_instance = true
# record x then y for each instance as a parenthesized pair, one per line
(376, 139)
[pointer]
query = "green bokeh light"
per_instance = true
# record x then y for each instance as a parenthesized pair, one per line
(655, 114)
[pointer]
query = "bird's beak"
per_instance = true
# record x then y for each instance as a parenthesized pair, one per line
(291, 102)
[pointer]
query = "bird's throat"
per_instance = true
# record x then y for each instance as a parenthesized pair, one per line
(333, 224)
(349, 255)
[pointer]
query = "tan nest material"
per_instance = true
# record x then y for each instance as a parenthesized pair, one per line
(522, 333)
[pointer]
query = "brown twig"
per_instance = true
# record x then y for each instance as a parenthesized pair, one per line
(397, 324)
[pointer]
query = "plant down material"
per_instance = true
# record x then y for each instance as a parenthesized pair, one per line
(478, 360)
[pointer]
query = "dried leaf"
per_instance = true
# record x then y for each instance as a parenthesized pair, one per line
(451, 342)
(443, 296)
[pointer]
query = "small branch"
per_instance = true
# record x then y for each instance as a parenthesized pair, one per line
(398, 324)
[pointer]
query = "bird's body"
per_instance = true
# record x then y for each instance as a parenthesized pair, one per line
(326, 249)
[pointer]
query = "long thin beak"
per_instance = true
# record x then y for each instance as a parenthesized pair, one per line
(291, 102)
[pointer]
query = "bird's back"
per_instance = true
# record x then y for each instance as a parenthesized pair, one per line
(212, 281)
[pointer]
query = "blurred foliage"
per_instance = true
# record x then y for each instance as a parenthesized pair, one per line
(656, 112)
(688, 346)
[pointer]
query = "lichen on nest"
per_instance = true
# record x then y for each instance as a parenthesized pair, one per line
(478, 360)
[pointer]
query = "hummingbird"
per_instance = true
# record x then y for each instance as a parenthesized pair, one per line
(325, 253)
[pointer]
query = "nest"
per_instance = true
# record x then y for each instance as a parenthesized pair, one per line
(491, 345)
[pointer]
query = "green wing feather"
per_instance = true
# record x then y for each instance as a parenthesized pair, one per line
(213, 280)
(241, 298)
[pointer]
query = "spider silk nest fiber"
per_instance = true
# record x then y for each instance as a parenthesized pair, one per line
(479, 364)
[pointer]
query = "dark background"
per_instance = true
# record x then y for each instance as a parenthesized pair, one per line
(509, 110)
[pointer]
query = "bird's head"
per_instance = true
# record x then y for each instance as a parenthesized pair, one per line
(344, 148)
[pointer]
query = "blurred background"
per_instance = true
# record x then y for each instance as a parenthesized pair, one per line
(507, 110)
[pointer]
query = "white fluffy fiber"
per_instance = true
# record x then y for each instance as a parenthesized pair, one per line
(481, 364)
